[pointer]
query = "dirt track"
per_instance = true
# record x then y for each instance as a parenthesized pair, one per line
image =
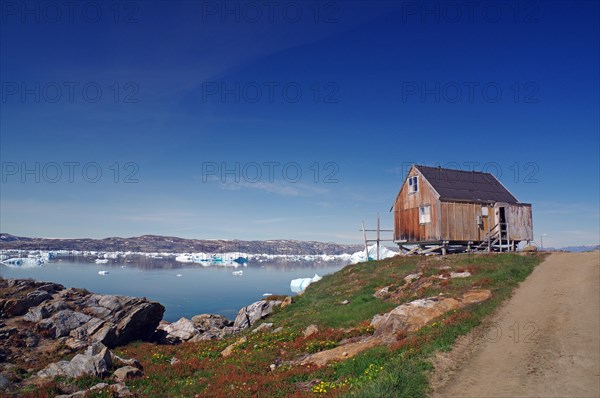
(543, 342)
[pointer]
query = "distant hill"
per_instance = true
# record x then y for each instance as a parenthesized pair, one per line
(576, 249)
(154, 243)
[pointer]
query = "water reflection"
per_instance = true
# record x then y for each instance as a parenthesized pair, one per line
(184, 289)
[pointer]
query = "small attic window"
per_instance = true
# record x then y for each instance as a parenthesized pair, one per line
(413, 184)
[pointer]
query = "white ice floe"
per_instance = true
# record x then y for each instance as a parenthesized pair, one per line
(384, 252)
(23, 262)
(298, 285)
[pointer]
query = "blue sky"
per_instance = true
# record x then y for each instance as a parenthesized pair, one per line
(264, 120)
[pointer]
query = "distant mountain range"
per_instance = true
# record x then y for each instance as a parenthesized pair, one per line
(577, 249)
(154, 243)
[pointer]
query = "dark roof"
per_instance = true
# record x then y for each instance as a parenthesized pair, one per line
(472, 186)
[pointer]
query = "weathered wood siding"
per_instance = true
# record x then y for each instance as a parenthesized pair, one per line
(453, 221)
(406, 212)
(459, 221)
(519, 220)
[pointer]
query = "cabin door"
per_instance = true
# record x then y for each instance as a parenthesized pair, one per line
(502, 222)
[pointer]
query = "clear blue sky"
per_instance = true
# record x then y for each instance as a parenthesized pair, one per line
(160, 97)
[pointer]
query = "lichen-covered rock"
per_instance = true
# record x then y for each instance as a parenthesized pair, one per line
(416, 314)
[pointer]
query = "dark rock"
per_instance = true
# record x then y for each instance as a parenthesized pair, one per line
(205, 322)
(140, 322)
(203, 337)
(61, 323)
(5, 383)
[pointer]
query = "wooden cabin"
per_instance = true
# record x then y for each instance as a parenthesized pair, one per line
(453, 210)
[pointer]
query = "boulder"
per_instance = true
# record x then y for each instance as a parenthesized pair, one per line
(206, 322)
(118, 389)
(80, 365)
(229, 349)
(127, 372)
(182, 330)
(140, 322)
(264, 327)
(412, 316)
(310, 330)
(253, 313)
(203, 337)
(412, 277)
(286, 301)
(96, 361)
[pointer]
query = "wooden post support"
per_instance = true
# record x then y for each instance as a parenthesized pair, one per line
(378, 236)
(365, 238)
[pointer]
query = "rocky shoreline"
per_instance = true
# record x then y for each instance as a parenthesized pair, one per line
(41, 323)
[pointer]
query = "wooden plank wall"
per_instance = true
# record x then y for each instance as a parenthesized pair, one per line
(406, 213)
(459, 221)
(520, 224)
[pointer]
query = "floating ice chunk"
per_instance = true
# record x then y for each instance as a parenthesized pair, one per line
(384, 252)
(298, 285)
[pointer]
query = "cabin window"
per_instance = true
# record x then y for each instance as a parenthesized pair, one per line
(424, 214)
(413, 184)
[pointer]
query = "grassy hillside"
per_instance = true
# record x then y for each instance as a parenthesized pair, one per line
(396, 370)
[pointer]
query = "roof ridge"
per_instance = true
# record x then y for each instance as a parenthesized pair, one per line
(458, 170)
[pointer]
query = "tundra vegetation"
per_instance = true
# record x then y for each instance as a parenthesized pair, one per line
(271, 362)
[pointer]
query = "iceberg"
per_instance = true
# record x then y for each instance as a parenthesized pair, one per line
(298, 285)
(384, 252)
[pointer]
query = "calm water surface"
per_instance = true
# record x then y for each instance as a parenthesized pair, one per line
(197, 290)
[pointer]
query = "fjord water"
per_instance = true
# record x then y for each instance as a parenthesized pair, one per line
(198, 290)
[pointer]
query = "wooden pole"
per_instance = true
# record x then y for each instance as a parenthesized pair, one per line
(378, 236)
(365, 238)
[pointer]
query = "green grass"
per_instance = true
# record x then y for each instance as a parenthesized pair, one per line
(400, 370)
(321, 303)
